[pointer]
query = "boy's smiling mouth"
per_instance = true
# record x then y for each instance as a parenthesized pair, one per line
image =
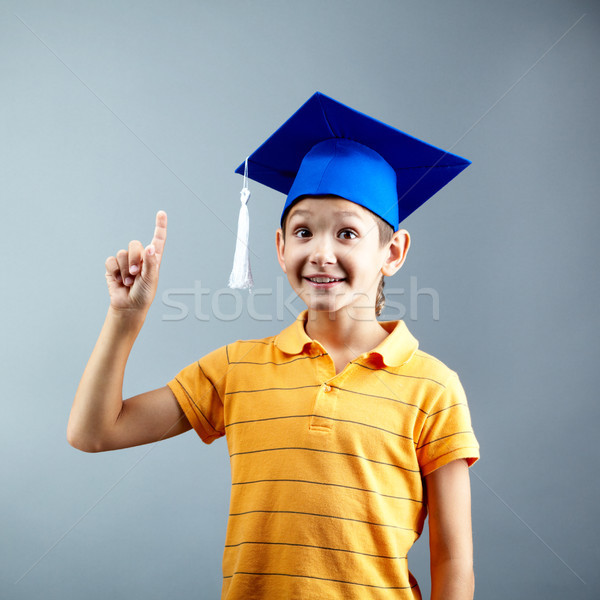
(323, 281)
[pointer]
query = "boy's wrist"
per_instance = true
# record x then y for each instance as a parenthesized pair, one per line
(127, 320)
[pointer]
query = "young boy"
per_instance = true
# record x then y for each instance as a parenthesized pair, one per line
(342, 434)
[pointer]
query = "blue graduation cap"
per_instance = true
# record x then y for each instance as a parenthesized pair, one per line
(327, 148)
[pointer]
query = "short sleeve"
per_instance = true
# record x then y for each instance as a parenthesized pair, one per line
(447, 433)
(199, 389)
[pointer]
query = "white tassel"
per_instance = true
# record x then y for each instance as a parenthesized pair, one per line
(241, 274)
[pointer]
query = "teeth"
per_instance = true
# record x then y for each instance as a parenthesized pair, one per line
(322, 279)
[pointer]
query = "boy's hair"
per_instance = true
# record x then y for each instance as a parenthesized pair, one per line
(386, 231)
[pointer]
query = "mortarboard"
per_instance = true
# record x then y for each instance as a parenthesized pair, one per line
(327, 148)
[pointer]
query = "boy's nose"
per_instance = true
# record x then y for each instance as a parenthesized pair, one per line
(322, 253)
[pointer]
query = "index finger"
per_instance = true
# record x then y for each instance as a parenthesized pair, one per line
(160, 232)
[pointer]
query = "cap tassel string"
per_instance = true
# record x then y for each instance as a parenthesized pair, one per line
(241, 274)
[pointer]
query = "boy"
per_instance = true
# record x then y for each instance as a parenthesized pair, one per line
(342, 434)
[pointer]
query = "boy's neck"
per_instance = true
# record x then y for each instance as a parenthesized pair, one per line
(344, 334)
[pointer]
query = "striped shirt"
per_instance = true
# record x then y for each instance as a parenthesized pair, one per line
(327, 470)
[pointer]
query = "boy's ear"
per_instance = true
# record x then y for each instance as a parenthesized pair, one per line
(397, 251)
(279, 241)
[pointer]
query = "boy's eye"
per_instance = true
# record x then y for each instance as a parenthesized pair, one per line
(302, 232)
(347, 234)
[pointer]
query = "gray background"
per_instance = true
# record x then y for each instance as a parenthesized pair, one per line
(110, 111)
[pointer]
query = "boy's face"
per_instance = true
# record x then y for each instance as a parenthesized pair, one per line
(333, 257)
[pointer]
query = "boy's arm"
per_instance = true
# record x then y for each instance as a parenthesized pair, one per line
(99, 419)
(450, 533)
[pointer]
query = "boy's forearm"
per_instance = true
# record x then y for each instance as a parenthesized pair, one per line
(99, 397)
(452, 580)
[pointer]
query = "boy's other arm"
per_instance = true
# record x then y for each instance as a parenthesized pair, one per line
(99, 419)
(450, 532)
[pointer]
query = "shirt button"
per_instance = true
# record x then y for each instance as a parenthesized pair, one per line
(327, 388)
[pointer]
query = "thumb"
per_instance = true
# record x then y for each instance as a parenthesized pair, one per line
(150, 264)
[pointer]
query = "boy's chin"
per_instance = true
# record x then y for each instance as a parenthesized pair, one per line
(321, 303)
(334, 308)
(357, 307)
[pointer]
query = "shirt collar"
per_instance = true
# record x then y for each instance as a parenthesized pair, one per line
(293, 339)
(397, 348)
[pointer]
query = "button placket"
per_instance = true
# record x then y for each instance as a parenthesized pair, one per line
(324, 406)
(325, 397)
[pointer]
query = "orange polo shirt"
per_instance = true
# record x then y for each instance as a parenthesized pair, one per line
(327, 470)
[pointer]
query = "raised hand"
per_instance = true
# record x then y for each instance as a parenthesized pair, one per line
(132, 275)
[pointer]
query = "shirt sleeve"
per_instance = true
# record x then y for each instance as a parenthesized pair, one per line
(447, 433)
(200, 389)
